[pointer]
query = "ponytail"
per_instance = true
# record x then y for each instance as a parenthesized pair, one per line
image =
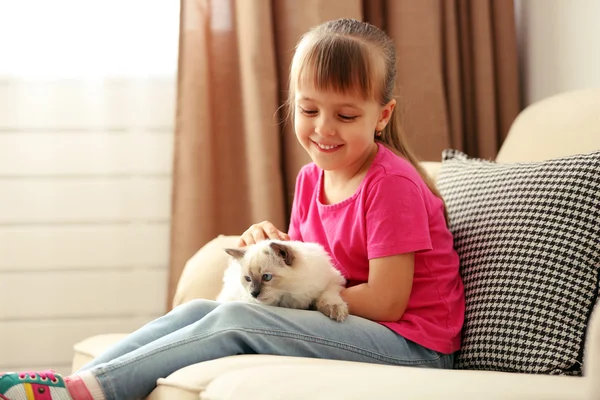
(393, 138)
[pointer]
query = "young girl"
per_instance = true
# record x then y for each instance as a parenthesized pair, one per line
(364, 198)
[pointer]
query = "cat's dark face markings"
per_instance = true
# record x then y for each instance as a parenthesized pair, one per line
(261, 270)
(256, 282)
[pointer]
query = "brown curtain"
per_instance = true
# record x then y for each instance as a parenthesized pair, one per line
(236, 161)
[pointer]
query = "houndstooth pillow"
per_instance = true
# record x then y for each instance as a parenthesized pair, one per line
(528, 237)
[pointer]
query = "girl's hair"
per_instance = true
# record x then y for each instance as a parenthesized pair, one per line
(350, 56)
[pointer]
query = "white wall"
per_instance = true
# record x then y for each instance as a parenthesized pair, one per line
(85, 177)
(86, 146)
(559, 46)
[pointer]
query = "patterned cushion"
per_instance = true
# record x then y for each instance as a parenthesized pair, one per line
(528, 237)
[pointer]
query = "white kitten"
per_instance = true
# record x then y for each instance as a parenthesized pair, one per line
(290, 274)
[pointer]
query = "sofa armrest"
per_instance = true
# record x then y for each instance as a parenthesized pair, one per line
(92, 347)
(202, 276)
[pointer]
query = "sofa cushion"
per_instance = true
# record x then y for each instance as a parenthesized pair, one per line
(358, 381)
(528, 237)
(196, 377)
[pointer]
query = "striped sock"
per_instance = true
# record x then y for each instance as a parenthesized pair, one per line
(84, 386)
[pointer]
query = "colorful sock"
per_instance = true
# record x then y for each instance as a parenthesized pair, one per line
(44, 385)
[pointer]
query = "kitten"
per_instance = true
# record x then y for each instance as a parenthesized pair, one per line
(290, 274)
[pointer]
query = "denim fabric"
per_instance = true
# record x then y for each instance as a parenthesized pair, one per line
(203, 330)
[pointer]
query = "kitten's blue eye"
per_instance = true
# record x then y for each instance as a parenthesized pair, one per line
(247, 278)
(267, 277)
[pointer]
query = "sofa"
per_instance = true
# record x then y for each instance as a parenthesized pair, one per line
(561, 125)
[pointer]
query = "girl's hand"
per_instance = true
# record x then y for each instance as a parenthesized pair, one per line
(261, 231)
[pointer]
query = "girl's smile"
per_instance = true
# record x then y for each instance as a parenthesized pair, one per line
(327, 148)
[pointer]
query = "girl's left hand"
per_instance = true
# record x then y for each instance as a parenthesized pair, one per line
(261, 231)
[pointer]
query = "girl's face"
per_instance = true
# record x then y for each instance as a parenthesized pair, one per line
(338, 130)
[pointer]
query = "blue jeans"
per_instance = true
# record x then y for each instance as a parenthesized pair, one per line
(203, 330)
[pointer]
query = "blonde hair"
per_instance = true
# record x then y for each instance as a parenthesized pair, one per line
(350, 56)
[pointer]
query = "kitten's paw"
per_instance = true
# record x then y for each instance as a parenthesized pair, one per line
(337, 311)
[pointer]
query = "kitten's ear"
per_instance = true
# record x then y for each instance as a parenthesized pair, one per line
(236, 253)
(283, 251)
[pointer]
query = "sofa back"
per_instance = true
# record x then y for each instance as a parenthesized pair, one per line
(560, 125)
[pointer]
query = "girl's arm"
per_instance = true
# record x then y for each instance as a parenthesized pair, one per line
(385, 295)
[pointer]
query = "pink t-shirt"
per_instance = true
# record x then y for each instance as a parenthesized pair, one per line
(392, 212)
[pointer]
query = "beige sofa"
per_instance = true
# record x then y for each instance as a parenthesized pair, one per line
(561, 125)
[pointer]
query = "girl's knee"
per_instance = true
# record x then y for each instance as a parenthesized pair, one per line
(237, 307)
(237, 311)
(196, 306)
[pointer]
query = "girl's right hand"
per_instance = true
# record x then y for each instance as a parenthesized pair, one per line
(261, 231)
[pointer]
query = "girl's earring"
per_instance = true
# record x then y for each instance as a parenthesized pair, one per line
(378, 134)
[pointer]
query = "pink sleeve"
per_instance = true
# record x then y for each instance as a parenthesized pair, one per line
(397, 221)
(294, 228)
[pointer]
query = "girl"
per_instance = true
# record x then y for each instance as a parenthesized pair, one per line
(364, 198)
